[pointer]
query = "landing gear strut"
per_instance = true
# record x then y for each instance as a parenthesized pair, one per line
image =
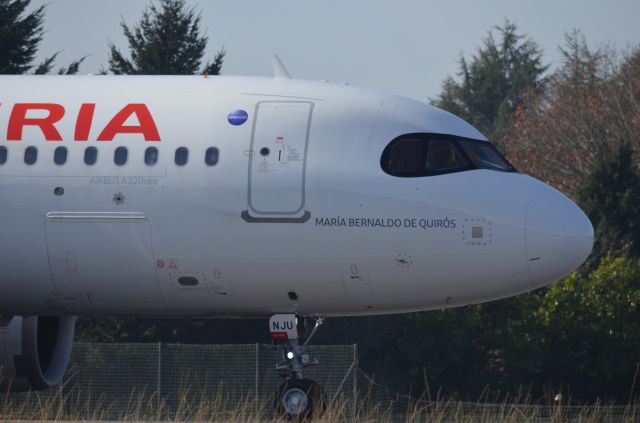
(297, 398)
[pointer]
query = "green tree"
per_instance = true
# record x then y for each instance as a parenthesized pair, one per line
(49, 63)
(494, 80)
(20, 37)
(611, 198)
(592, 331)
(464, 351)
(166, 41)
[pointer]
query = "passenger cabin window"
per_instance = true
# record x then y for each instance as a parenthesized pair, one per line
(414, 155)
(30, 155)
(90, 155)
(151, 156)
(3, 155)
(120, 156)
(182, 155)
(211, 156)
(60, 156)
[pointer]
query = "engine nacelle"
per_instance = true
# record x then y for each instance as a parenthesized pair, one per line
(34, 351)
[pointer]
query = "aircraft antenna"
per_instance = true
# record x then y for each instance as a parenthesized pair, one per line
(279, 70)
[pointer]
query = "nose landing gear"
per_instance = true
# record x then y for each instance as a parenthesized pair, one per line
(297, 398)
(300, 399)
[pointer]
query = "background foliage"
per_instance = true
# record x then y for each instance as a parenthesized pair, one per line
(20, 36)
(166, 41)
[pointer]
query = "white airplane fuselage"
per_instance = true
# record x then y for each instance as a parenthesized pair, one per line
(292, 214)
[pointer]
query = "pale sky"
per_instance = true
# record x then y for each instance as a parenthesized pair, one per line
(405, 47)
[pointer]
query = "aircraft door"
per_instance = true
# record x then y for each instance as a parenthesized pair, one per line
(277, 163)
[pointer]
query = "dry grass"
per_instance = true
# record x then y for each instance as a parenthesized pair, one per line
(142, 406)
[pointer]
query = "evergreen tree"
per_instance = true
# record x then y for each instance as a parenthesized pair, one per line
(48, 64)
(611, 198)
(166, 41)
(492, 83)
(20, 36)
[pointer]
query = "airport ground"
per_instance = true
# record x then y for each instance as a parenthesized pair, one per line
(216, 410)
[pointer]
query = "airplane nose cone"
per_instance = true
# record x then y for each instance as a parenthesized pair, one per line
(559, 237)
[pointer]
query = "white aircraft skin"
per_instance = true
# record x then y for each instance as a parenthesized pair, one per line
(281, 233)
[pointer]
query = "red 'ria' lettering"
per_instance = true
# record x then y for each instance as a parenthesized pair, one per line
(83, 124)
(116, 126)
(18, 120)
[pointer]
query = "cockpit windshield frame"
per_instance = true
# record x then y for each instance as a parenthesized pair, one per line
(461, 156)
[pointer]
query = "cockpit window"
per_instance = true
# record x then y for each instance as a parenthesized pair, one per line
(444, 156)
(415, 155)
(405, 155)
(485, 156)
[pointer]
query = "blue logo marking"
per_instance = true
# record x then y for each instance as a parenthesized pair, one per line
(238, 117)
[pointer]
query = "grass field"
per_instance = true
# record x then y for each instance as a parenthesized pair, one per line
(78, 406)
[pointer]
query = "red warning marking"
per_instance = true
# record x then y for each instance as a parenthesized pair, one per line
(172, 264)
(280, 140)
(279, 336)
(160, 264)
(248, 153)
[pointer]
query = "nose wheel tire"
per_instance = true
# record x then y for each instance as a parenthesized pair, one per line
(300, 399)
